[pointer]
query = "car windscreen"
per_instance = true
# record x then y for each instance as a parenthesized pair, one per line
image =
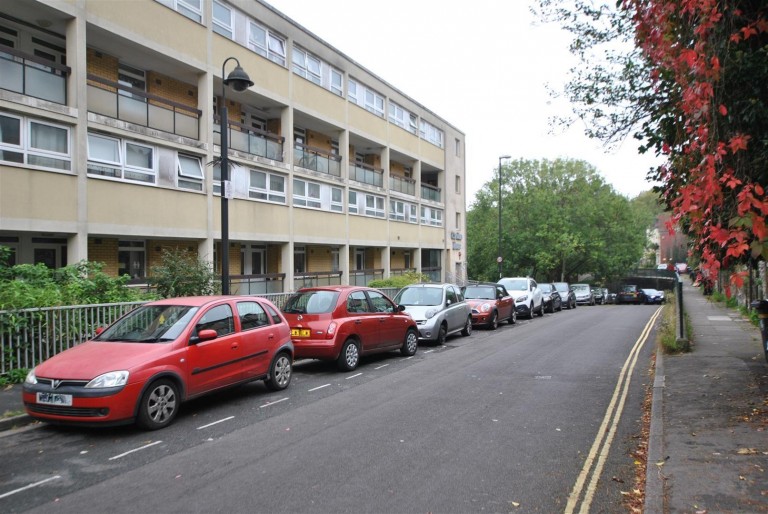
(516, 285)
(545, 288)
(420, 296)
(561, 287)
(480, 293)
(311, 302)
(579, 287)
(150, 324)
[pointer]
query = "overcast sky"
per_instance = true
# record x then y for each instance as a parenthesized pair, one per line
(481, 65)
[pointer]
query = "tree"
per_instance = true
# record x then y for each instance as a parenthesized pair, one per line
(692, 87)
(559, 219)
(183, 273)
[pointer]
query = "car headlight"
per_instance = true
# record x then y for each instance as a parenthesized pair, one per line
(485, 307)
(522, 299)
(111, 379)
(431, 313)
(31, 377)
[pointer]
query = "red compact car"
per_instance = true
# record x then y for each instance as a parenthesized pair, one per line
(145, 364)
(491, 304)
(342, 323)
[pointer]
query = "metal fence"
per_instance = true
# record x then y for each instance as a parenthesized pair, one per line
(29, 336)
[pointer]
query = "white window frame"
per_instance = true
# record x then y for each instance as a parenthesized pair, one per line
(403, 118)
(266, 48)
(311, 196)
(335, 86)
(28, 152)
(352, 87)
(222, 27)
(352, 199)
(430, 133)
(307, 65)
(396, 210)
(374, 102)
(337, 204)
(124, 171)
(431, 216)
(374, 206)
(270, 192)
(186, 180)
(413, 214)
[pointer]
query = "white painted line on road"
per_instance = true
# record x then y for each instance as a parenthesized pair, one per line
(30, 486)
(353, 376)
(134, 450)
(382, 366)
(428, 351)
(272, 403)
(318, 387)
(215, 423)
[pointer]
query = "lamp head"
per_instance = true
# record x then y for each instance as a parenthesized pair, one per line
(505, 157)
(238, 79)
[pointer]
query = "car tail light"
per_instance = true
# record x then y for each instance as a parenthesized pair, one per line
(331, 330)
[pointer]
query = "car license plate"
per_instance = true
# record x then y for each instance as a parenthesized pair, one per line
(300, 332)
(55, 399)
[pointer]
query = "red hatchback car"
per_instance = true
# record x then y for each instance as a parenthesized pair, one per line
(491, 304)
(145, 364)
(342, 323)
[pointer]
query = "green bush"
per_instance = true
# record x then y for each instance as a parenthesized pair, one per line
(399, 281)
(667, 335)
(183, 273)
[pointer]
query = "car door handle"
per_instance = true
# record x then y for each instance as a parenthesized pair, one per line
(382, 320)
(271, 336)
(358, 321)
(235, 346)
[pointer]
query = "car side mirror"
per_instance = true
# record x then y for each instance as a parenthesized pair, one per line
(99, 330)
(204, 335)
(399, 308)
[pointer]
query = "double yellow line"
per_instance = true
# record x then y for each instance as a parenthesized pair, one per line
(593, 466)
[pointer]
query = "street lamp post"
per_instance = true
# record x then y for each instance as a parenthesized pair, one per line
(500, 258)
(240, 81)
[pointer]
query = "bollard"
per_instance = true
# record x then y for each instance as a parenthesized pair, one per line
(761, 306)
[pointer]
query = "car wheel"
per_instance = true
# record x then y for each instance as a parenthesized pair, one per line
(279, 372)
(410, 344)
(159, 405)
(442, 334)
(560, 309)
(513, 318)
(467, 327)
(541, 310)
(349, 356)
(494, 323)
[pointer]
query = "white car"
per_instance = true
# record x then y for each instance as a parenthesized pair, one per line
(527, 295)
(439, 310)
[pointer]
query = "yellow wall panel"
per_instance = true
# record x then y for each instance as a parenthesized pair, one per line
(32, 194)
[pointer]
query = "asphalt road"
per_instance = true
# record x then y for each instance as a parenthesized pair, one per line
(535, 417)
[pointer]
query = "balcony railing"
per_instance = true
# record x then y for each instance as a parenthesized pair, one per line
(402, 184)
(430, 193)
(250, 140)
(366, 174)
(316, 278)
(30, 75)
(136, 106)
(315, 159)
(257, 284)
(363, 277)
(434, 274)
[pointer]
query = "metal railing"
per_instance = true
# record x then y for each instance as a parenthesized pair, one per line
(249, 140)
(362, 277)
(403, 185)
(316, 278)
(133, 105)
(366, 174)
(27, 74)
(430, 193)
(315, 159)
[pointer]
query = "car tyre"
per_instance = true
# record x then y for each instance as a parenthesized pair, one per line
(513, 318)
(280, 372)
(541, 310)
(411, 343)
(467, 327)
(494, 323)
(158, 405)
(442, 334)
(349, 357)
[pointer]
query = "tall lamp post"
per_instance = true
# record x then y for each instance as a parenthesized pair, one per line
(500, 258)
(239, 81)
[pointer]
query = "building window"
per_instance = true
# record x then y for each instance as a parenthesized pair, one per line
(299, 259)
(337, 199)
(458, 147)
(222, 20)
(190, 172)
(307, 65)
(458, 221)
(131, 259)
(337, 82)
(365, 97)
(352, 90)
(335, 260)
(33, 142)
(407, 259)
(352, 202)
(431, 216)
(430, 133)
(192, 9)
(134, 78)
(265, 43)
(267, 186)
(111, 157)
(374, 206)
(458, 184)
(306, 194)
(402, 118)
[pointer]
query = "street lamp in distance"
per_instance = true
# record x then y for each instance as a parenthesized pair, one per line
(499, 259)
(239, 81)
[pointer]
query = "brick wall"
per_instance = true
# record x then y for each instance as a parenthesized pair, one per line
(104, 250)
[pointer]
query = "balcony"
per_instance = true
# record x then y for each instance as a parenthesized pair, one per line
(250, 140)
(315, 159)
(431, 193)
(29, 75)
(403, 185)
(141, 108)
(363, 277)
(366, 174)
(317, 278)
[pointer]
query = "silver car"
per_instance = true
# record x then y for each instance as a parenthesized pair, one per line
(438, 309)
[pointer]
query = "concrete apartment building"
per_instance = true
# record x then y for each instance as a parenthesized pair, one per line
(110, 143)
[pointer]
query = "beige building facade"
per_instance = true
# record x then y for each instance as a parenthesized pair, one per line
(110, 144)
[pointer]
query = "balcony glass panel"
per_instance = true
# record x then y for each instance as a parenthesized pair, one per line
(316, 160)
(28, 75)
(46, 85)
(402, 185)
(430, 193)
(132, 110)
(245, 140)
(366, 174)
(11, 75)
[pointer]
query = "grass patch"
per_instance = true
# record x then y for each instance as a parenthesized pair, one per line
(667, 335)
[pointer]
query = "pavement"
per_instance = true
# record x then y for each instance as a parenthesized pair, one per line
(708, 441)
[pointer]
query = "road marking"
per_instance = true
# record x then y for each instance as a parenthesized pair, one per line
(428, 351)
(318, 387)
(30, 486)
(605, 435)
(272, 403)
(353, 376)
(382, 366)
(134, 450)
(215, 423)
